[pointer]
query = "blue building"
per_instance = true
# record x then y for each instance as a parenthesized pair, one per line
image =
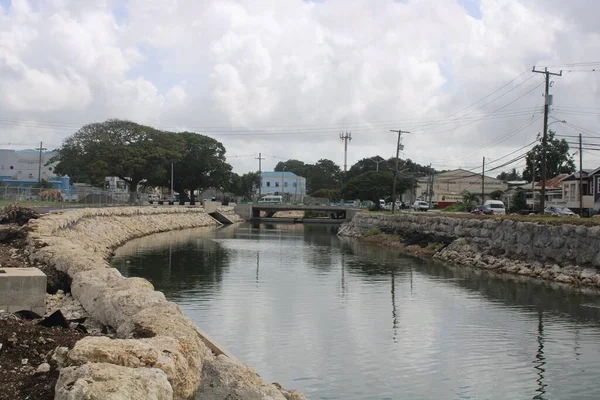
(283, 183)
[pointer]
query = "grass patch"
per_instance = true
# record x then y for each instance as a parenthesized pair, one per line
(435, 246)
(372, 232)
(455, 208)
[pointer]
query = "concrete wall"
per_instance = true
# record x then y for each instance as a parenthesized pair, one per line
(572, 250)
(155, 342)
(22, 289)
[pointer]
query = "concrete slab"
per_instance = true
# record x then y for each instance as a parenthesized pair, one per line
(22, 289)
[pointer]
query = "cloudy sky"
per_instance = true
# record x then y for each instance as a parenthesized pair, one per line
(285, 77)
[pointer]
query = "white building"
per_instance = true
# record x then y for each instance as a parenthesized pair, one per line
(24, 165)
(283, 183)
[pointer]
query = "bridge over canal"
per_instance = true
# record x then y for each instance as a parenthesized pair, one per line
(257, 212)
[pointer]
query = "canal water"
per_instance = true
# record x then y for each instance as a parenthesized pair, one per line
(337, 319)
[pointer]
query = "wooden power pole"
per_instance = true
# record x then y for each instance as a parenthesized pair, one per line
(580, 177)
(547, 102)
(398, 148)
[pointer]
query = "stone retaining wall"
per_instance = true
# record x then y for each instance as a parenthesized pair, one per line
(565, 253)
(158, 353)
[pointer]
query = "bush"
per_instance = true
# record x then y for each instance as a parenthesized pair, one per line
(455, 208)
(372, 232)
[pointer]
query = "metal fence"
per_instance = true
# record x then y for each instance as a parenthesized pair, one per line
(45, 197)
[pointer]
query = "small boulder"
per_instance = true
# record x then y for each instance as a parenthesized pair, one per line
(43, 368)
(224, 378)
(112, 382)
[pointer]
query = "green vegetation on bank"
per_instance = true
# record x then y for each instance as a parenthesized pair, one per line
(542, 219)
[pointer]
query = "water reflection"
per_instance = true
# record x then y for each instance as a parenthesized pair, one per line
(312, 311)
(540, 359)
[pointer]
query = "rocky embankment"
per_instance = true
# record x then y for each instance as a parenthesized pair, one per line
(563, 253)
(157, 353)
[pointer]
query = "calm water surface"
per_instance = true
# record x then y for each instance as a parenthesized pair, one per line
(339, 320)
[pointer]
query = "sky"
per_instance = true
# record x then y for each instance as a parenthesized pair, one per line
(285, 77)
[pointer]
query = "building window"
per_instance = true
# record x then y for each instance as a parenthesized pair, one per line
(49, 168)
(295, 184)
(276, 184)
(268, 184)
(285, 184)
(11, 167)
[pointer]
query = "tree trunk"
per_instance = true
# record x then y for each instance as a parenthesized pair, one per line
(133, 192)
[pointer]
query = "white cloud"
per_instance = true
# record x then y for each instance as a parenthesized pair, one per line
(297, 72)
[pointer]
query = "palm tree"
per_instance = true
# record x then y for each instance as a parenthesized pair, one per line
(470, 198)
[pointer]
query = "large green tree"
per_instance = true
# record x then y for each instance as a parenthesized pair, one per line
(325, 174)
(245, 185)
(408, 167)
(201, 166)
(374, 185)
(130, 151)
(519, 201)
(558, 159)
(512, 175)
(296, 166)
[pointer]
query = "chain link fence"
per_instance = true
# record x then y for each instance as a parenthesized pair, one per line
(48, 197)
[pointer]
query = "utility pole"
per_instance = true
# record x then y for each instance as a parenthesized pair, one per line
(400, 132)
(345, 137)
(532, 181)
(431, 191)
(580, 177)
(260, 158)
(172, 183)
(483, 182)
(40, 162)
(547, 102)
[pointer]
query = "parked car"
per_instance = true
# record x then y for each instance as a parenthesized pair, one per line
(420, 206)
(497, 206)
(559, 211)
(483, 210)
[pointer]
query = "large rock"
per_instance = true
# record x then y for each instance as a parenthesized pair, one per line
(168, 320)
(224, 378)
(112, 299)
(112, 382)
(159, 352)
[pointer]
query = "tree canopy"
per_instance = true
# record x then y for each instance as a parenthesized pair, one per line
(374, 185)
(325, 174)
(519, 200)
(245, 185)
(201, 165)
(118, 148)
(369, 164)
(136, 153)
(512, 175)
(558, 159)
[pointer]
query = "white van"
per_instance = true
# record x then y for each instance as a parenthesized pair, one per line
(271, 200)
(496, 206)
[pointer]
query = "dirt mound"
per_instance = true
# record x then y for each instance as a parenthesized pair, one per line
(25, 346)
(16, 214)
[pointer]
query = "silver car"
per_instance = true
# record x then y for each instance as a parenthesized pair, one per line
(559, 211)
(420, 205)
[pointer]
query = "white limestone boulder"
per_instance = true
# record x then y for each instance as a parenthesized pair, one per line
(104, 381)
(224, 378)
(160, 352)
